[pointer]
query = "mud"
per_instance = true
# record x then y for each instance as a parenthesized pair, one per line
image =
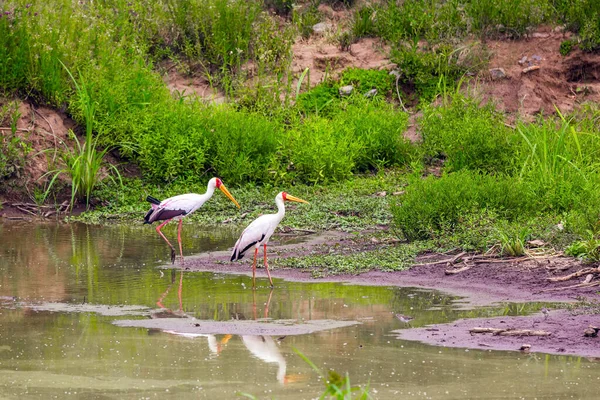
(566, 334)
(191, 326)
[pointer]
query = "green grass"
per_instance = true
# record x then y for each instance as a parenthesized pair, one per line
(384, 258)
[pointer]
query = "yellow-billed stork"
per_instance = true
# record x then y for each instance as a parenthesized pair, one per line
(177, 207)
(259, 232)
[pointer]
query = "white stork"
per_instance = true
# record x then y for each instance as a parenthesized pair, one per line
(178, 207)
(259, 232)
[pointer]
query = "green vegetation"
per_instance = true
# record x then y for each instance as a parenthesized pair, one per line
(474, 181)
(13, 149)
(384, 258)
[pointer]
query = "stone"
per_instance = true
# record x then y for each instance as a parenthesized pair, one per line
(497, 73)
(371, 93)
(523, 60)
(321, 27)
(346, 90)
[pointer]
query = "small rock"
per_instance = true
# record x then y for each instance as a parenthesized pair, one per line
(374, 240)
(591, 331)
(497, 73)
(346, 90)
(371, 93)
(529, 69)
(381, 194)
(560, 226)
(536, 59)
(588, 278)
(523, 60)
(540, 35)
(525, 347)
(321, 27)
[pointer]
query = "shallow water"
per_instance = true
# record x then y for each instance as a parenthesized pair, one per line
(68, 291)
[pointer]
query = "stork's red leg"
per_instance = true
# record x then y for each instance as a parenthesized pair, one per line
(179, 240)
(179, 291)
(166, 240)
(254, 268)
(267, 265)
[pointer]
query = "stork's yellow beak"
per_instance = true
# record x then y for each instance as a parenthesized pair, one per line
(294, 378)
(226, 192)
(225, 339)
(292, 198)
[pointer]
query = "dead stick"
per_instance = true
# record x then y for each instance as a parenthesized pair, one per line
(509, 332)
(579, 273)
(579, 285)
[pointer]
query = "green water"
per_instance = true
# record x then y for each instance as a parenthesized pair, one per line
(86, 273)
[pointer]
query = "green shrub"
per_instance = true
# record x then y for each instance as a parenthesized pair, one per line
(379, 128)
(362, 22)
(364, 80)
(322, 99)
(566, 46)
(468, 136)
(433, 205)
(318, 151)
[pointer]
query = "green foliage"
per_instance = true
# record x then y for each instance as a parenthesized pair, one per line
(422, 67)
(319, 151)
(385, 258)
(321, 99)
(305, 18)
(588, 249)
(468, 135)
(364, 80)
(13, 149)
(433, 205)
(363, 22)
(513, 241)
(510, 17)
(566, 46)
(82, 164)
(379, 128)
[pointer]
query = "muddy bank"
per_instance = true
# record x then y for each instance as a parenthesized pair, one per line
(566, 334)
(481, 285)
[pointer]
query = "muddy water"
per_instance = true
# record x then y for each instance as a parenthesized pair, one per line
(76, 301)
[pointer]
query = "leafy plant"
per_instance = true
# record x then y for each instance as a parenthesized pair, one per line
(362, 23)
(83, 163)
(588, 249)
(566, 46)
(513, 241)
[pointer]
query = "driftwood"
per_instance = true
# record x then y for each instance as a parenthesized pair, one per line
(579, 285)
(577, 274)
(509, 332)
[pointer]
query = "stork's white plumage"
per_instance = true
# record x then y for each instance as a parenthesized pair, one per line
(259, 232)
(265, 348)
(177, 207)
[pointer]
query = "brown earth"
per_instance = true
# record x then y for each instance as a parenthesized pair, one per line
(566, 331)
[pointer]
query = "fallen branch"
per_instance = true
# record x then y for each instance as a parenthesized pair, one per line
(577, 274)
(509, 332)
(579, 285)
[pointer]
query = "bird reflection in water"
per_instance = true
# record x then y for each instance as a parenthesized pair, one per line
(266, 348)
(215, 346)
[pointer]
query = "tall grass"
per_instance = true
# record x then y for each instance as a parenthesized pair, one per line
(82, 164)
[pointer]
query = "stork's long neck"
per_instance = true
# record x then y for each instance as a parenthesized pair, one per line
(280, 208)
(210, 189)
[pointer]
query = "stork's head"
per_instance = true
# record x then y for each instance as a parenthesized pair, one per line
(218, 184)
(289, 197)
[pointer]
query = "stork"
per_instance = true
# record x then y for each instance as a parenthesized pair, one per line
(177, 207)
(259, 232)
